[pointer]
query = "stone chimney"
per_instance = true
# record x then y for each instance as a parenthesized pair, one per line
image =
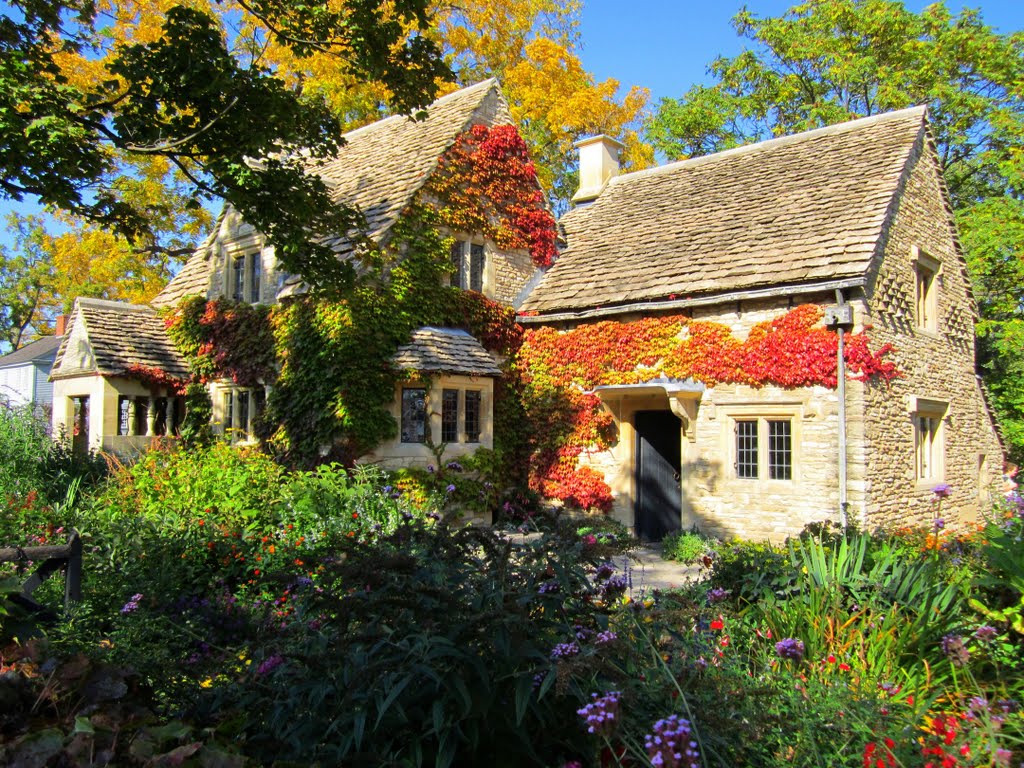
(60, 325)
(599, 164)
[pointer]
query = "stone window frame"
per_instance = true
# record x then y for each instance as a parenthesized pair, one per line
(249, 253)
(225, 396)
(927, 285)
(928, 417)
(462, 250)
(762, 414)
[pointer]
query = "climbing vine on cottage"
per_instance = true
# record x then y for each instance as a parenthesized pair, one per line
(561, 368)
(328, 361)
(487, 184)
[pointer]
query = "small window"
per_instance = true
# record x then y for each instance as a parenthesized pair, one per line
(926, 291)
(780, 450)
(746, 449)
(229, 412)
(469, 264)
(450, 416)
(238, 278)
(775, 435)
(255, 276)
(929, 451)
(414, 415)
(472, 419)
(458, 276)
(476, 268)
(242, 422)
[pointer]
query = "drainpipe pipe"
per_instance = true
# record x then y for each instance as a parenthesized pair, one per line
(841, 393)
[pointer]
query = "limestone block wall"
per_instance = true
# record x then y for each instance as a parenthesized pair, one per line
(713, 497)
(937, 365)
(510, 272)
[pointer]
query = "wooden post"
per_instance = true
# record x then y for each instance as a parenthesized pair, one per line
(73, 571)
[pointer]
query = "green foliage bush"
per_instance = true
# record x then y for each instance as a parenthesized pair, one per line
(39, 478)
(686, 546)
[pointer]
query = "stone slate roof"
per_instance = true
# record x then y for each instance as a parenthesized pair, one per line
(445, 350)
(194, 276)
(39, 351)
(119, 336)
(379, 170)
(797, 210)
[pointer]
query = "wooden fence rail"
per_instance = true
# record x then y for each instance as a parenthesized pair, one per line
(51, 558)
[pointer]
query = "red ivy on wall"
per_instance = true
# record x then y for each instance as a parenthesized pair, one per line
(560, 368)
(486, 183)
(156, 378)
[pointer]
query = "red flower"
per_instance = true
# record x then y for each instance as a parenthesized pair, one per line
(718, 623)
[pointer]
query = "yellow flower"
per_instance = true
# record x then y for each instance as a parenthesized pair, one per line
(207, 683)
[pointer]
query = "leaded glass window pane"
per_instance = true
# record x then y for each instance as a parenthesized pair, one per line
(780, 450)
(746, 449)
(450, 416)
(472, 416)
(255, 276)
(458, 276)
(238, 278)
(414, 415)
(476, 267)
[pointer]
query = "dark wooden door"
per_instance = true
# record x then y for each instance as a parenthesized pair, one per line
(658, 494)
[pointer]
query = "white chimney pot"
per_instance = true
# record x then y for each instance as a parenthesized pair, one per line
(599, 164)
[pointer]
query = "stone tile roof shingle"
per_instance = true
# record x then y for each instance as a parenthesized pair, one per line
(445, 350)
(119, 336)
(804, 208)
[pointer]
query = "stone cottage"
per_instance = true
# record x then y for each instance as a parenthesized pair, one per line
(105, 370)
(853, 217)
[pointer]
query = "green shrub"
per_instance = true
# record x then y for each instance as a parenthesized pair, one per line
(686, 546)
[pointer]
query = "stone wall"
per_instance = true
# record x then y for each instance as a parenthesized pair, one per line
(938, 366)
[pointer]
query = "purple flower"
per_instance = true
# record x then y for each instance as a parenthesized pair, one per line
(954, 649)
(986, 634)
(430, 468)
(790, 648)
(450, 488)
(604, 570)
(565, 650)
(942, 490)
(615, 585)
(717, 595)
(671, 745)
(1002, 756)
(549, 587)
(603, 638)
(938, 524)
(454, 466)
(132, 605)
(601, 713)
(270, 664)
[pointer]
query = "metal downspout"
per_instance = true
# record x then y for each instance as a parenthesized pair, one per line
(841, 393)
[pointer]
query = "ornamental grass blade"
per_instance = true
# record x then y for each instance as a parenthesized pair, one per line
(393, 694)
(524, 690)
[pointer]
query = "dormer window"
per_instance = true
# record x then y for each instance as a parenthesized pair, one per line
(926, 291)
(245, 276)
(469, 263)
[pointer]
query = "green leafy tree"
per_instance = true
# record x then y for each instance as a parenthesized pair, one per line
(827, 61)
(26, 274)
(76, 105)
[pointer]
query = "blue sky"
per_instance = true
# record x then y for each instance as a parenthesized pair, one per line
(666, 45)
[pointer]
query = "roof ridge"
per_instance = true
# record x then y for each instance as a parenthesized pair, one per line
(376, 124)
(85, 301)
(779, 141)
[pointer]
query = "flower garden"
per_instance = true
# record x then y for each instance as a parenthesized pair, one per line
(238, 614)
